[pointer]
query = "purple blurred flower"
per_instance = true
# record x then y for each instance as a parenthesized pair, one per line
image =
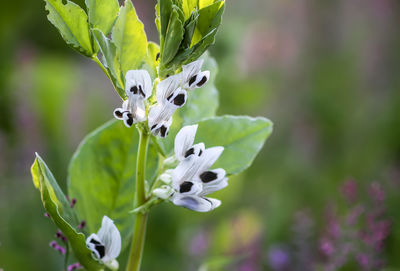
(278, 258)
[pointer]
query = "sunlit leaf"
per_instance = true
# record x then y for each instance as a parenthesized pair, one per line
(173, 37)
(129, 38)
(153, 59)
(102, 14)
(72, 23)
(111, 60)
(102, 176)
(57, 206)
(241, 136)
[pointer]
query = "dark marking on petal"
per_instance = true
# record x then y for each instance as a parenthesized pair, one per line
(192, 80)
(157, 56)
(185, 187)
(200, 152)
(202, 81)
(101, 250)
(163, 131)
(179, 99)
(134, 89)
(118, 113)
(141, 91)
(154, 126)
(94, 241)
(129, 121)
(208, 176)
(170, 96)
(189, 152)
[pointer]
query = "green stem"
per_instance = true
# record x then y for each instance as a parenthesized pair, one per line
(139, 232)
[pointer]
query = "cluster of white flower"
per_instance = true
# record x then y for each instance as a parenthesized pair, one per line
(171, 94)
(189, 183)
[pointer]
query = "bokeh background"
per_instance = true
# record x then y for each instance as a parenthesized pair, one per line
(322, 195)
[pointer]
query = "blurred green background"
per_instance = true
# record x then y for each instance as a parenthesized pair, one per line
(327, 73)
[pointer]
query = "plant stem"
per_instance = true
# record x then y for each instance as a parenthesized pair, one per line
(139, 232)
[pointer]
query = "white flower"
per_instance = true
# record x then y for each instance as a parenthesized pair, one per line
(193, 179)
(172, 94)
(192, 76)
(138, 88)
(170, 97)
(106, 244)
(184, 140)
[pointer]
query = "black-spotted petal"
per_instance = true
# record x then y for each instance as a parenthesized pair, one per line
(138, 83)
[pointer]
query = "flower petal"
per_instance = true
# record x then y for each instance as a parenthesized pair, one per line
(138, 82)
(168, 86)
(215, 203)
(191, 202)
(177, 98)
(184, 141)
(111, 238)
(201, 79)
(190, 71)
(118, 113)
(209, 157)
(161, 129)
(185, 171)
(94, 243)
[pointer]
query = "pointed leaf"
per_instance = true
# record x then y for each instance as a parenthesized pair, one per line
(130, 39)
(110, 60)
(102, 176)
(173, 37)
(241, 136)
(72, 23)
(102, 14)
(56, 205)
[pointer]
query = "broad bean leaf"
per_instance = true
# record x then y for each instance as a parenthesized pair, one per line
(190, 27)
(72, 23)
(173, 38)
(189, 6)
(111, 60)
(129, 38)
(153, 59)
(241, 136)
(102, 176)
(57, 206)
(102, 14)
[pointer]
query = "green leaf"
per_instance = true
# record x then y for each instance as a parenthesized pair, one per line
(102, 14)
(190, 27)
(110, 60)
(189, 6)
(241, 136)
(173, 37)
(102, 176)
(72, 23)
(164, 9)
(130, 39)
(57, 206)
(208, 23)
(152, 60)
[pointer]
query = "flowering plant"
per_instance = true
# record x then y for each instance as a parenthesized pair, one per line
(118, 172)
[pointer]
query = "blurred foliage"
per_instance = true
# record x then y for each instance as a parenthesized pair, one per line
(325, 72)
